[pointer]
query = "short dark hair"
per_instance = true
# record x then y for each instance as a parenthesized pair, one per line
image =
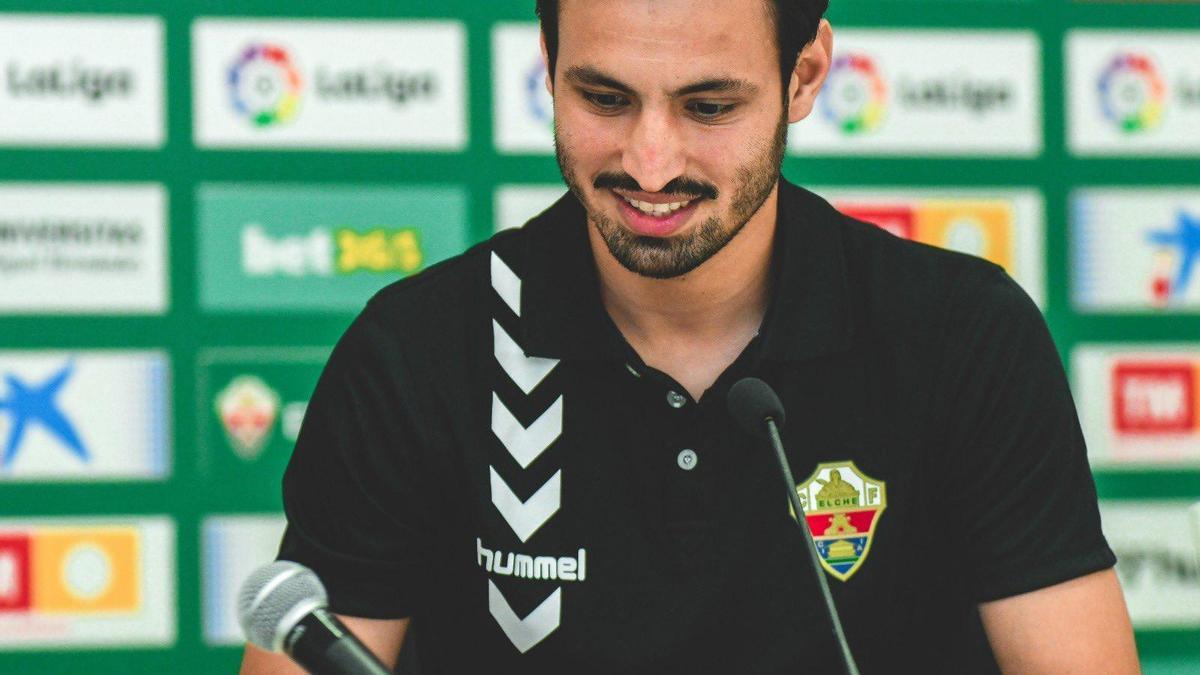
(796, 23)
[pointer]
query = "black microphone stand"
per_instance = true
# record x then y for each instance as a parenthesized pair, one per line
(811, 545)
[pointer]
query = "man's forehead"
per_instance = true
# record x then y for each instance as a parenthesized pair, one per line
(669, 33)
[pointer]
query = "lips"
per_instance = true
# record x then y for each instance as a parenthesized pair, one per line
(655, 220)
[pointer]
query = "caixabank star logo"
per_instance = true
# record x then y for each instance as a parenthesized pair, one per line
(842, 506)
(1132, 92)
(265, 85)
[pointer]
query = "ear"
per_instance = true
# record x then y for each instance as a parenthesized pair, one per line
(546, 62)
(812, 66)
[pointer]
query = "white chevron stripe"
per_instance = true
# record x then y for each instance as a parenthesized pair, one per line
(526, 371)
(526, 444)
(526, 517)
(506, 283)
(527, 632)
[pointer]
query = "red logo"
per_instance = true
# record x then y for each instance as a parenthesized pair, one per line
(899, 220)
(1154, 398)
(14, 573)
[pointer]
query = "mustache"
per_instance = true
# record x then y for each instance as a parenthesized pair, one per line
(682, 186)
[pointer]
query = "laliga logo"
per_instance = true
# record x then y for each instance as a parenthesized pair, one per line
(856, 95)
(1132, 93)
(537, 99)
(264, 85)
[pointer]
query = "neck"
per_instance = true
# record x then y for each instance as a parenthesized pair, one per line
(724, 298)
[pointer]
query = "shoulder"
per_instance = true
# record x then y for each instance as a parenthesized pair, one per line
(903, 285)
(439, 305)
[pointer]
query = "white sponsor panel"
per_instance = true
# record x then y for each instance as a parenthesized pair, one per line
(523, 112)
(1139, 404)
(1156, 561)
(233, 546)
(329, 84)
(1005, 226)
(95, 248)
(517, 204)
(1133, 92)
(1135, 250)
(67, 583)
(84, 416)
(78, 80)
(928, 93)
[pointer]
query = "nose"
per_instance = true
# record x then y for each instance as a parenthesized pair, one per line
(653, 153)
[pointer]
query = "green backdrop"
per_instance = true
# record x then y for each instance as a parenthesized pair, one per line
(199, 485)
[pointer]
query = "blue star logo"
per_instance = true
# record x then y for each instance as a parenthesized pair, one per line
(1185, 239)
(28, 404)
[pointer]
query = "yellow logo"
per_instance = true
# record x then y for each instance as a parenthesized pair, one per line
(379, 250)
(86, 570)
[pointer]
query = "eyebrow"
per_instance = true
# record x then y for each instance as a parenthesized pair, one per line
(589, 76)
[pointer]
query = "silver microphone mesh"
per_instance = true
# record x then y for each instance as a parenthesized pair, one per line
(272, 594)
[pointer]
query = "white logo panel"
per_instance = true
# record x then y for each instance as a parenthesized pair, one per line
(81, 80)
(67, 583)
(517, 204)
(1139, 404)
(1135, 250)
(523, 108)
(928, 93)
(1133, 93)
(83, 248)
(1156, 561)
(83, 416)
(329, 84)
(233, 547)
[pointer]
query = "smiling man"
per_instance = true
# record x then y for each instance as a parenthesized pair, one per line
(523, 456)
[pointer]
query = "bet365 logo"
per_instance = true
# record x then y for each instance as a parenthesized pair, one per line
(326, 252)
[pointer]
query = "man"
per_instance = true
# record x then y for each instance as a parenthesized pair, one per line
(526, 451)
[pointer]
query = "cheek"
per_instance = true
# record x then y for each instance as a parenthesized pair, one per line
(591, 139)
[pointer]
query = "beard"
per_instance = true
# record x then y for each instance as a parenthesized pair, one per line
(669, 257)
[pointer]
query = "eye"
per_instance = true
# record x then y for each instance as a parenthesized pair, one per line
(709, 111)
(604, 101)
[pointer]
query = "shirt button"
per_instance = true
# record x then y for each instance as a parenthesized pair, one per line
(676, 400)
(687, 459)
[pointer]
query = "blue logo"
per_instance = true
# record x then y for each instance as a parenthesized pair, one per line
(1185, 240)
(28, 404)
(538, 100)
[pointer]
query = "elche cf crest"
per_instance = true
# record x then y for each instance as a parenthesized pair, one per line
(842, 506)
(248, 408)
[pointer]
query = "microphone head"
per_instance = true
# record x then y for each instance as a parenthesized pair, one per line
(751, 401)
(274, 598)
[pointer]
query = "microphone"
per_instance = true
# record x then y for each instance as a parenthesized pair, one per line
(757, 408)
(282, 608)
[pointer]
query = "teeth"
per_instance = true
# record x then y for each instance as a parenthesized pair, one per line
(655, 209)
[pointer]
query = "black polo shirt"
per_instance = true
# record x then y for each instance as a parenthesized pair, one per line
(486, 454)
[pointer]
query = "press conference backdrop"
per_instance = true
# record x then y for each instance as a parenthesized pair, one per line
(197, 197)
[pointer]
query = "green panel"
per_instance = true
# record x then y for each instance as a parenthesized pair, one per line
(318, 248)
(210, 191)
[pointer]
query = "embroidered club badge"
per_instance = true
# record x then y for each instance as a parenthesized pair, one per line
(842, 506)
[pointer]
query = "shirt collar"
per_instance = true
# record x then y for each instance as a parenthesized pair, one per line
(808, 315)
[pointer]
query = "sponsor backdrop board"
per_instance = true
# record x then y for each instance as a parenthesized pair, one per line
(196, 198)
(83, 248)
(233, 547)
(81, 80)
(84, 416)
(318, 248)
